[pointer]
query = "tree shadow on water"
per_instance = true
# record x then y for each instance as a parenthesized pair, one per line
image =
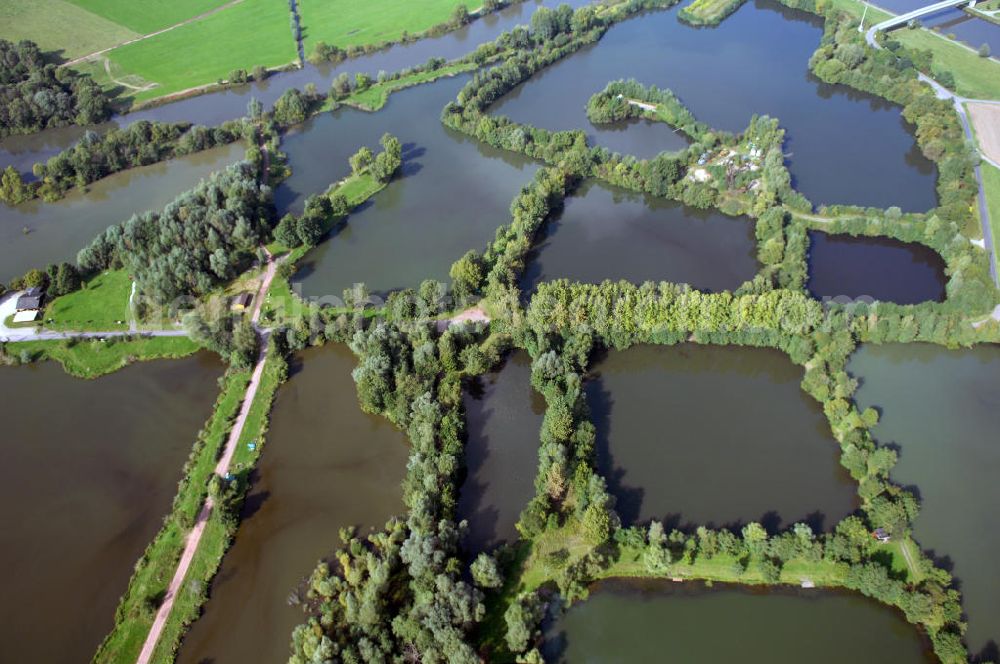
(628, 500)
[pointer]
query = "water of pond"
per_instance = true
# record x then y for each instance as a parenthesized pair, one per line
(504, 417)
(844, 267)
(844, 146)
(217, 107)
(604, 232)
(90, 469)
(942, 408)
(36, 234)
(326, 465)
(452, 194)
(715, 435)
(632, 622)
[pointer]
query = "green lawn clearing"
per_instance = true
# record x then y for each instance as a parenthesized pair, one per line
(101, 305)
(95, 358)
(146, 16)
(253, 32)
(376, 96)
(59, 26)
(346, 23)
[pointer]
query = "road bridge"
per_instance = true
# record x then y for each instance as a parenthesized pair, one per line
(903, 19)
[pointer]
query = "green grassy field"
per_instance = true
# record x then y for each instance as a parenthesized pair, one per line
(56, 25)
(254, 32)
(145, 16)
(101, 305)
(975, 77)
(991, 183)
(346, 23)
(92, 359)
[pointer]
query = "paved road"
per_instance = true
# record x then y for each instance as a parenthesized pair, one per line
(959, 103)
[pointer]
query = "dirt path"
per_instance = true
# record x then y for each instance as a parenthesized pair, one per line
(137, 88)
(194, 537)
(474, 314)
(909, 559)
(90, 56)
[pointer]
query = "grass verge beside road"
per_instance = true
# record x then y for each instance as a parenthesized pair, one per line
(975, 77)
(991, 186)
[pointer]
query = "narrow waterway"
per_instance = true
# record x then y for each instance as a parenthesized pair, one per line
(842, 267)
(504, 420)
(451, 195)
(715, 435)
(638, 622)
(604, 232)
(326, 465)
(89, 471)
(217, 107)
(942, 409)
(842, 146)
(35, 234)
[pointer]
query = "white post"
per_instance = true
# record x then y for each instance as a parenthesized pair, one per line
(861, 28)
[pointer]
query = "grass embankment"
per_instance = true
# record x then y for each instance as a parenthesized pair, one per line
(708, 12)
(281, 305)
(93, 358)
(100, 306)
(346, 23)
(374, 97)
(159, 562)
(253, 32)
(59, 26)
(991, 186)
(975, 76)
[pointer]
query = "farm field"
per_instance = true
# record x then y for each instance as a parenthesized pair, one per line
(60, 26)
(145, 16)
(253, 32)
(662, 301)
(346, 23)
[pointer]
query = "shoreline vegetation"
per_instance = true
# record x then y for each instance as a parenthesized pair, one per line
(408, 588)
(703, 13)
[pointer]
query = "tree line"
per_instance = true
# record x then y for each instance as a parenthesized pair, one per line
(36, 94)
(97, 156)
(201, 239)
